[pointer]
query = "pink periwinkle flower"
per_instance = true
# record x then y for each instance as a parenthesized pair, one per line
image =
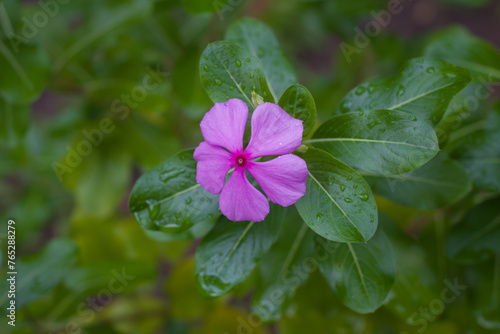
(273, 132)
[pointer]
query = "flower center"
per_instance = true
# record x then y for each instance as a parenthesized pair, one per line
(240, 160)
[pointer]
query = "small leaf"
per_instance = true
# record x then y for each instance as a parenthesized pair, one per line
(382, 142)
(229, 253)
(423, 88)
(360, 274)
(299, 103)
(457, 46)
(168, 199)
(475, 239)
(338, 203)
(281, 270)
(229, 71)
(260, 41)
(438, 183)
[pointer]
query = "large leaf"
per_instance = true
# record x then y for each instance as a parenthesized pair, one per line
(299, 103)
(338, 203)
(228, 71)
(260, 41)
(476, 238)
(423, 88)
(457, 46)
(41, 273)
(479, 153)
(283, 269)
(229, 253)
(382, 142)
(25, 72)
(438, 183)
(360, 274)
(168, 199)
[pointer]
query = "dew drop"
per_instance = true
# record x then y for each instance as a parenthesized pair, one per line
(189, 200)
(251, 75)
(218, 82)
(348, 200)
(238, 63)
(342, 188)
(205, 67)
(280, 144)
(401, 91)
(364, 197)
(360, 90)
(247, 60)
(430, 70)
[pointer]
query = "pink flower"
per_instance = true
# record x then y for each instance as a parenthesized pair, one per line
(274, 132)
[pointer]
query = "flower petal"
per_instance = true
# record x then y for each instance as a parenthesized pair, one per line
(274, 132)
(224, 125)
(283, 179)
(213, 164)
(239, 200)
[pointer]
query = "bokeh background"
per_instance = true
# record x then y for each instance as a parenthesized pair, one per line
(85, 265)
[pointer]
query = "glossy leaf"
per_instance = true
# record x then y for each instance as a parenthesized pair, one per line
(299, 103)
(479, 153)
(438, 183)
(457, 46)
(228, 71)
(360, 274)
(25, 71)
(260, 41)
(229, 253)
(338, 203)
(475, 239)
(283, 269)
(423, 88)
(168, 199)
(382, 142)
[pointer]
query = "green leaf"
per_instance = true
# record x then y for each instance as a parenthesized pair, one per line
(475, 239)
(299, 103)
(438, 183)
(479, 153)
(423, 88)
(360, 274)
(261, 42)
(167, 198)
(457, 46)
(416, 282)
(229, 71)
(282, 269)
(25, 71)
(229, 253)
(382, 142)
(41, 273)
(338, 203)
